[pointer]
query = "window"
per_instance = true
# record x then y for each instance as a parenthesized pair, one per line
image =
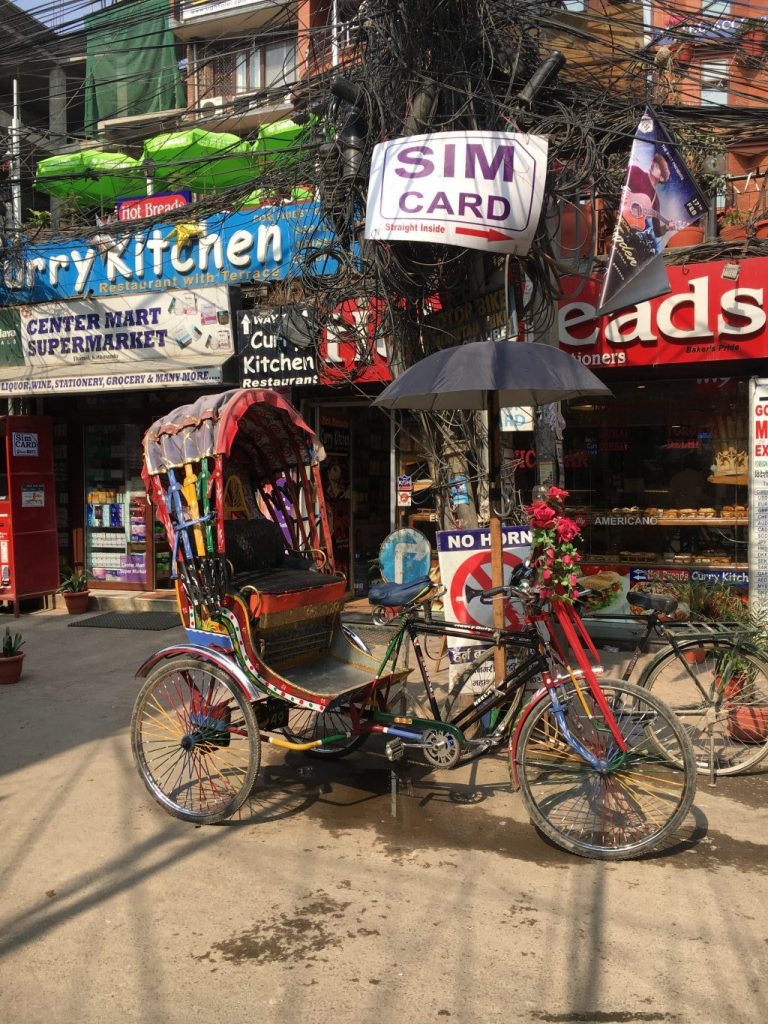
(265, 67)
(716, 8)
(714, 84)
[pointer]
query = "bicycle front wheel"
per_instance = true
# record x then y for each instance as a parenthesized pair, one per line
(630, 807)
(195, 740)
(721, 698)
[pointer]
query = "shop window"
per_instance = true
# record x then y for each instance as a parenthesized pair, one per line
(659, 474)
(714, 84)
(115, 526)
(265, 67)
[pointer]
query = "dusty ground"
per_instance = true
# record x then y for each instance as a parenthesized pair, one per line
(332, 899)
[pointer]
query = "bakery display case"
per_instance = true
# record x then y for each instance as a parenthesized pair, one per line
(658, 474)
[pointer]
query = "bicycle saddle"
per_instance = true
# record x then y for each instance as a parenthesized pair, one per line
(652, 602)
(394, 595)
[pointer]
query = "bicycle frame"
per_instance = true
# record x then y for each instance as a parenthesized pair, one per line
(539, 662)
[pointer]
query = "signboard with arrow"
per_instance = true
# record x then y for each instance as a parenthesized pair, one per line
(480, 190)
(266, 358)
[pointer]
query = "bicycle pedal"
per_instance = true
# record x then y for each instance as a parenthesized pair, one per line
(395, 750)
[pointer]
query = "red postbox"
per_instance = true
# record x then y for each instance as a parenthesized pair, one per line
(29, 551)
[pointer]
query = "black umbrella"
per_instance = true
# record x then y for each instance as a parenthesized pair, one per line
(464, 377)
(489, 375)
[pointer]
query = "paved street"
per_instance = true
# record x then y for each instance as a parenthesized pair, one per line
(330, 900)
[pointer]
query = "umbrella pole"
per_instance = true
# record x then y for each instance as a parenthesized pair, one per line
(497, 540)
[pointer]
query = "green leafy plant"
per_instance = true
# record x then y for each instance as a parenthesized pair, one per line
(12, 643)
(74, 581)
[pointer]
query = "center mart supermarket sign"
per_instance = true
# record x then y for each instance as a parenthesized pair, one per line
(706, 317)
(171, 339)
(254, 245)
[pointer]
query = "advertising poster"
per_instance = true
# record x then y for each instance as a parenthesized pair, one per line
(266, 357)
(659, 198)
(480, 190)
(758, 495)
(169, 339)
(465, 571)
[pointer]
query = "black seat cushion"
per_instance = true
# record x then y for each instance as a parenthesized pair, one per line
(283, 581)
(253, 545)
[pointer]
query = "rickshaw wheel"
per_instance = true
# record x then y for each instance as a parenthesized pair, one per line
(195, 740)
(305, 725)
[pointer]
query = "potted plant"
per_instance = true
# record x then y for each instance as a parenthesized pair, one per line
(74, 587)
(11, 657)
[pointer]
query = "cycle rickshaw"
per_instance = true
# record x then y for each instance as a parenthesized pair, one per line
(235, 480)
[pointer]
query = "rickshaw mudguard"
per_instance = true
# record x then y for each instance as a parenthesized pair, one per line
(220, 659)
(538, 696)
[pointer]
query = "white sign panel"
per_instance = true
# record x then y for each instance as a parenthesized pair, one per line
(482, 190)
(166, 339)
(24, 444)
(758, 494)
(465, 572)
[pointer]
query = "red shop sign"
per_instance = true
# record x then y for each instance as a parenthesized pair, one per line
(704, 318)
(352, 347)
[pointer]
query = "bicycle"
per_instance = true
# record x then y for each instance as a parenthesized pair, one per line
(605, 770)
(713, 677)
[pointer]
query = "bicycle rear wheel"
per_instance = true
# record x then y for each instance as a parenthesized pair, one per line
(305, 726)
(722, 701)
(632, 806)
(195, 740)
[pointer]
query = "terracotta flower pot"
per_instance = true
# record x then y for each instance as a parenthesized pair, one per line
(748, 724)
(76, 601)
(10, 668)
(692, 235)
(695, 657)
(733, 232)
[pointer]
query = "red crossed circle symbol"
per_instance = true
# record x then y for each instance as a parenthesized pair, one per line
(475, 573)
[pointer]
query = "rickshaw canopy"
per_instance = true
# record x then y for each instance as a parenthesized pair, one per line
(260, 418)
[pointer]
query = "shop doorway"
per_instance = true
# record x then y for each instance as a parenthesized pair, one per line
(357, 483)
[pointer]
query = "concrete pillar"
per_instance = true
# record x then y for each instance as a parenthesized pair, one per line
(57, 123)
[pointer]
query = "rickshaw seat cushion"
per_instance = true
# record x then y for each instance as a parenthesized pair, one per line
(254, 545)
(282, 581)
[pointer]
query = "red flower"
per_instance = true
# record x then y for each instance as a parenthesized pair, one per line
(567, 530)
(546, 575)
(558, 494)
(541, 515)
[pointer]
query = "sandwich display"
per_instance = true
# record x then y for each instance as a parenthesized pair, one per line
(605, 588)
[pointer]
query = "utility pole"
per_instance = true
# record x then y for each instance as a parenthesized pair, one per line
(15, 147)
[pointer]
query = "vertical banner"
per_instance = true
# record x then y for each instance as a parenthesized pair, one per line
(659, 198)
(758, 495)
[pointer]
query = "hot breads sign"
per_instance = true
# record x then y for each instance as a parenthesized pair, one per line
(705, 317)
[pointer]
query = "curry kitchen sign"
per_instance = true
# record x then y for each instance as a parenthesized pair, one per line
(706, 317)
(481, 190)
(173, 339)
(257, 245)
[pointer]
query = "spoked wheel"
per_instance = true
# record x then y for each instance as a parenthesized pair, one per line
(195, 740)
(304, 726)
(722, 703)
(631, 806)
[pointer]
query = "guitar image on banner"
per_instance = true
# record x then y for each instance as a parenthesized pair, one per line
(637, 211)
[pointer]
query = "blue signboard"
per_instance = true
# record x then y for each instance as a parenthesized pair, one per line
(228, 248)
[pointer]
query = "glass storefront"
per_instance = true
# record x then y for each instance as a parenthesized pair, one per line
(658, 473)
(115, 504)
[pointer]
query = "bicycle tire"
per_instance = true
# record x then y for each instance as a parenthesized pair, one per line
(726, 723)
(305, 725)
(625, 811)
(195, 741)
